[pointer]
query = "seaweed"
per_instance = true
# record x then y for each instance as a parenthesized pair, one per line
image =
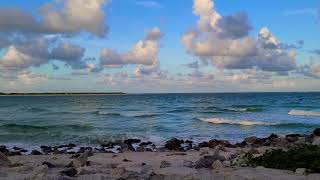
(304, 156)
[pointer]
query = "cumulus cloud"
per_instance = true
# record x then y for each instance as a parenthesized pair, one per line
(144, 52)
(34, 52)
(223, 41)
(58, 17)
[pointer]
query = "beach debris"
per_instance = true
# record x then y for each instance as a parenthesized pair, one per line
(165, 164)
(174, 144)
(207, 161)
(71, 172)
(4, 160)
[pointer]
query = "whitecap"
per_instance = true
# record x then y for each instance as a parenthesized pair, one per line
(296, 112)
(220, 120)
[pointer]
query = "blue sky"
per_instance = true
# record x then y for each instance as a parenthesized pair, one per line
(72, 37)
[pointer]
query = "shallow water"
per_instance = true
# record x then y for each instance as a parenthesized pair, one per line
(36, 120)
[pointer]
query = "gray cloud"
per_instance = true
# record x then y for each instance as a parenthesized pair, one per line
(224, 42)
(69, 17)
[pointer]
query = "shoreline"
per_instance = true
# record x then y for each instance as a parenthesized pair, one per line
(177, 159)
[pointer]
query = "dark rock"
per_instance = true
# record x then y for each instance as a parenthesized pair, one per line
(174, 144)
(272, 137)
(207, 161)
(143, 164)
(35, 152)
(23, 151)
(148, 149)
(242, 144)
(126, 148)
(140, 149)
(74, 156)
(17, 148)
(48, 164)
(203, 144)
(145, 143)
(214, 142)
(291, 138)
(72, 145)
(88, 163)
(82, 150)
(126, 160)
(46, 149)
(3, 149)
(108, 145)
(165, 164)
(71, 172)
(131, 141)
(317, 132)
(188, 141)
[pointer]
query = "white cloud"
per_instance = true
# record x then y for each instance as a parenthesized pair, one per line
(58, 17)
(224, 42)
(144, 52)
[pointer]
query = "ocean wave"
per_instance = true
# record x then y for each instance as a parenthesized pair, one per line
(179, 110)
(295, 112)
(236, 122)
(107, 113)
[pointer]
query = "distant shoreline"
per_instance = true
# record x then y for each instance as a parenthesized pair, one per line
(62, 94)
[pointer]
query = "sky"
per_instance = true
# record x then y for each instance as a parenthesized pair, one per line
(159, 46)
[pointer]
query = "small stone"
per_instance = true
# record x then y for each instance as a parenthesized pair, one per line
(71, 172)
(217, 165)
(35, 152)
(165, 164)
(126, 160)
(301, 171)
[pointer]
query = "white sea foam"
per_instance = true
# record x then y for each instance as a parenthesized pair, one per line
(296, 112)
(220, 120)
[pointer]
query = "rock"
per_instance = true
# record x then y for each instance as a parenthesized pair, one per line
(188, 164)
(301, 171)
(253, 151)
(81, 160)
(35, 152)
(71, 172)
(240, 161)
(242, 144)
(46, 149)
(174, 144)
(131, 141)
(126, 148)
(214, 142)
(317, 132)
(207, 161)
(316, 140)
(217, 165)
(48, 164)
(204, 150)
(203, 144)
(145, 143)
(226, 163)
(251, 140)
(3, 149)
(149, 150)
(4, 161)
(14, 153)
(165, 164)
(117, 172)
(140, 149)
(126, 160)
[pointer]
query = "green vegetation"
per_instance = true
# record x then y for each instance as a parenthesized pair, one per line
(305, 156)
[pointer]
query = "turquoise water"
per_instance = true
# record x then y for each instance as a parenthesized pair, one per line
(27, 120)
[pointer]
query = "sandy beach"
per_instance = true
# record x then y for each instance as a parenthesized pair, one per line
(177, 159)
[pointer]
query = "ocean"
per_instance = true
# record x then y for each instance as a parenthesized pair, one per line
(92, 120)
